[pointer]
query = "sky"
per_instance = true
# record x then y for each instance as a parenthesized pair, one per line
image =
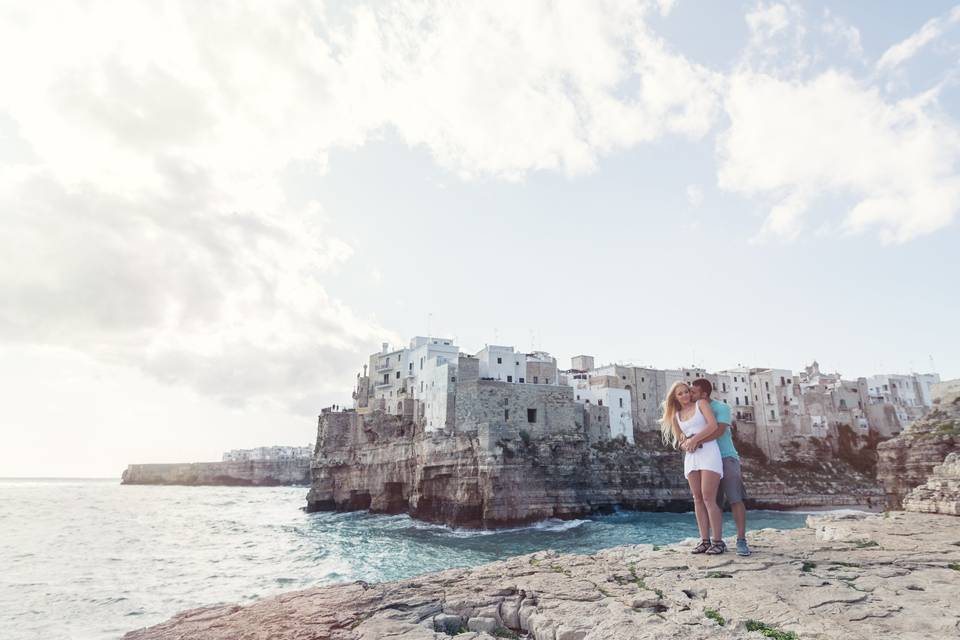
(212, 213)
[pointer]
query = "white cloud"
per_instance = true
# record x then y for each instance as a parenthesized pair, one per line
(791, 142)
(909, 47)
(847, 34)
(694, 195)
(144, 209)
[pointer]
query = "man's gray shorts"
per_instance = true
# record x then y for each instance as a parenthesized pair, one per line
(731, 485)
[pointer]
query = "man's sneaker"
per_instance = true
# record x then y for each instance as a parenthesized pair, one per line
(742, 548)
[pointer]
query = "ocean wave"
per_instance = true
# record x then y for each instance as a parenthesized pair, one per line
(554, 525)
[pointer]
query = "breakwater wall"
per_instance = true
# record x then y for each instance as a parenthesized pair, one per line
(259, 473)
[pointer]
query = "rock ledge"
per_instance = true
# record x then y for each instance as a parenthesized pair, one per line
(845, 576)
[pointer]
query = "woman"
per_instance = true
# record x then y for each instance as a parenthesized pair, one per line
(689, 424)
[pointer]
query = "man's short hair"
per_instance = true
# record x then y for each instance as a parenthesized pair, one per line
(704, 385)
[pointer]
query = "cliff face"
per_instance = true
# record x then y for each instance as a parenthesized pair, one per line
(906, 461)
(477, 479)
(490, 478)
(249, 473)
(941, 492)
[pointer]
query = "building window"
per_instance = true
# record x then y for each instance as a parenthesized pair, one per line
(536, 379)
(506, 414)
(578, 397)
(724, 387)
(782, 381)
(773, 414)
(642, 379)
(499, 360)
(421, 364)
(644, 396)
(768, 398)
(621, 403)
(509, 378)
(767, 385)
(520, 380)
(386, 378)
(546, 381)
(746, 400)
(398, 375)
(517, 364)
(531, 415)
(600, 402)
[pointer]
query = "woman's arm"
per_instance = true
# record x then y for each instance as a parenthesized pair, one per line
(677, 433)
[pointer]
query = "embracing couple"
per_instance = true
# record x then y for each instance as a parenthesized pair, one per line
(701, 427)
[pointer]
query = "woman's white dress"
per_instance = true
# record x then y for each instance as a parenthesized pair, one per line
(707, 457)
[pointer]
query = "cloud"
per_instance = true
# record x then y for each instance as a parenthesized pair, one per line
(790, 142)
(143, 203)
(847, 34)
(694, 195)
(909, 47)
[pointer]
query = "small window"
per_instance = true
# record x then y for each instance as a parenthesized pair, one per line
(520, 380)
(578, 397)
(517, 363)
(506, 414)
(398, 374)
(600, 402)
(499, 360)
(642, 379)
(509, 378)
(531, 415)
(644, 396)
(546, 381)
(773, 414)
(536, 379)
(621, 403)
(767, 385)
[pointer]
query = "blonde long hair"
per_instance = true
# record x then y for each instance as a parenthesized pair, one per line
(670, 407)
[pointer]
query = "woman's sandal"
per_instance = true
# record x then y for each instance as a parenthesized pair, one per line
(702, 547)
(716, 549)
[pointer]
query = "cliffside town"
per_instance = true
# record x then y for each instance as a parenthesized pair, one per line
(785, 415)
(503, 437)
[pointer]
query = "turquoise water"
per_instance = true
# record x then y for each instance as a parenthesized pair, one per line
(94, 559)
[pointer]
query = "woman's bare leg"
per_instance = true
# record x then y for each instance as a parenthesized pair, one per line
(699, 508)
(709, 481)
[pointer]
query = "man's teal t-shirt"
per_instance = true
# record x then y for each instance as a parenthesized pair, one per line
(722, 412)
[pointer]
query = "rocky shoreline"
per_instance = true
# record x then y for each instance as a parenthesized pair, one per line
(845, 576)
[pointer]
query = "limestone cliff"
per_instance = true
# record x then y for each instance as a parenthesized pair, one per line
(941, 492)
(906, 461)
(246, 473)
(843, 578)
(489, 477)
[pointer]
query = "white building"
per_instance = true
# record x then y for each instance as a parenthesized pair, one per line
(604, 394)
(268, 453)
(502, 363)
(733, 388)
(397, 375)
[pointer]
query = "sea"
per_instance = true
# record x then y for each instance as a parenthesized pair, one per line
(94, 559)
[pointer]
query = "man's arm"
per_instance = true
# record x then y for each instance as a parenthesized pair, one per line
(716, 433)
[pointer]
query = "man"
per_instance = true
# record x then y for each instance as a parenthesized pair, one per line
(731, 486)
